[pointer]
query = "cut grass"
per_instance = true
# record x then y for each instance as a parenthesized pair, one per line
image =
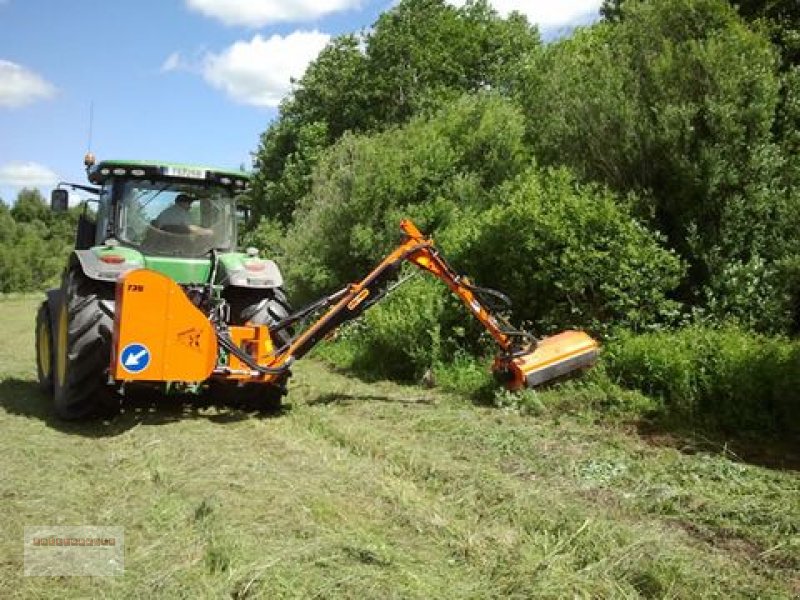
(379, 490)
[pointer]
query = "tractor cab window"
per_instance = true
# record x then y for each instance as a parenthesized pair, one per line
(176, 219)
(103, 216)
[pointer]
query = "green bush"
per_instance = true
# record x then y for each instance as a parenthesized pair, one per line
(430, 171)
(756, 295)
(677, 103)
(268, 236)
(727, 378)
(568, 255)
(399, 338)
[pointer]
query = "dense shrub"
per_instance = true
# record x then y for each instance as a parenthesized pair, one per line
(568, 255)
(401, 337)
(728, 378)
(757, 295)
(430, 171)
(678, 102)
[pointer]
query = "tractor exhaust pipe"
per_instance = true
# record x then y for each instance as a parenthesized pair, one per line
(554, 358)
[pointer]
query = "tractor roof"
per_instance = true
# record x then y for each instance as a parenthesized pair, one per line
(106, 169)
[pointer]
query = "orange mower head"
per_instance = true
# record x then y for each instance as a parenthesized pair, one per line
(552, 358)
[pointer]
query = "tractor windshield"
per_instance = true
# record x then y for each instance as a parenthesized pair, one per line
(176, 219)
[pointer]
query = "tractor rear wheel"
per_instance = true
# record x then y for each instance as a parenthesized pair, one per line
(44, 349)
(83, 348)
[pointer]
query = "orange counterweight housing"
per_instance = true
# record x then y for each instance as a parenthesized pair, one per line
(159, 335)
(256, 342)
(553, 357)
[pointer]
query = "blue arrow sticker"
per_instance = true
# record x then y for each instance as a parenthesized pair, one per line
(134, 358)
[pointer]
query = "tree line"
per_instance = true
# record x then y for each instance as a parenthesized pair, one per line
(34, 243)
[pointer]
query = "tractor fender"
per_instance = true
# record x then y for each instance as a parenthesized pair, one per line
(94, 268)
(267, 276)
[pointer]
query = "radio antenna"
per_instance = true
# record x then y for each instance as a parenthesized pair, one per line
(89, 159)
(91, 124)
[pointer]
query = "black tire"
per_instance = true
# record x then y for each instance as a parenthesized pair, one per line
(260, 308)
(44, 349)
(83, 349)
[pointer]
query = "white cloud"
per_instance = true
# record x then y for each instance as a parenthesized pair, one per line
(19, 86)
(257, 13)
(173, 62)
(545, 13)
(259, 72)
(27, 174)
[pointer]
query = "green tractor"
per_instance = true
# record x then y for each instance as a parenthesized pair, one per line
(178, 220)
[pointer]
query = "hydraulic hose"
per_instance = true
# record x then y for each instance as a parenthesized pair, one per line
(227, 343)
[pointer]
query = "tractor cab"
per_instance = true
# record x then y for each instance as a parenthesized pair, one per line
(172, 218)
(162, 209)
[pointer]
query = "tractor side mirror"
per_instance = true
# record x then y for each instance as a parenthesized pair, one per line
(59, 201)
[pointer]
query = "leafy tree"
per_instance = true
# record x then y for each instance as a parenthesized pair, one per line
(7, 225)
(425, 52)
(431, 170)
(286, 157)
(33, 243)
(779, 18)
(611, 10)
(420, 55)
(334, 89)
(677, 103)
(30, 206)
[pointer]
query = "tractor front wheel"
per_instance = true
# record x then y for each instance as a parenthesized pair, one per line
(268, 310)
(83, 348)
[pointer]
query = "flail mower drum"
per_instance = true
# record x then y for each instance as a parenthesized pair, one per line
(550, 359)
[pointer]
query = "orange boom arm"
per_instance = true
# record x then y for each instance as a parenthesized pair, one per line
(523, 361)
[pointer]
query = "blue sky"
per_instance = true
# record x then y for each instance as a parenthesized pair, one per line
(192, 81)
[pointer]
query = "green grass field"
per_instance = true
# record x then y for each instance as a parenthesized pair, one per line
(374, 490)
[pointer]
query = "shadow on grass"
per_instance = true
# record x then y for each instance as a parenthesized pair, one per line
(363, 374)
(483, 395)
(760, 449)
(345, 398)
(23, 397)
